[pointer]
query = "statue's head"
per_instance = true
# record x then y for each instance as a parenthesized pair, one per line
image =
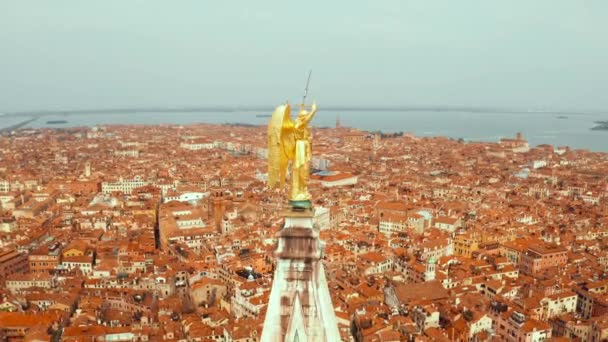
(303, 110)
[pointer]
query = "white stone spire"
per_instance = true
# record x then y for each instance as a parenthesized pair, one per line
(299, 308)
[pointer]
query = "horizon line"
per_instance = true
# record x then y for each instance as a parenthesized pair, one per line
(248, 108)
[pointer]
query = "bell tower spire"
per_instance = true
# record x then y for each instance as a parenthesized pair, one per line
(299, 307)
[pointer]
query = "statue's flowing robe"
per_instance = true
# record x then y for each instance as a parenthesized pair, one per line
(302, 157)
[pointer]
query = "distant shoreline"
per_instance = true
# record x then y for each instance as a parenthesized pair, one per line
(220, 109)
(539, 128)
(17, 125)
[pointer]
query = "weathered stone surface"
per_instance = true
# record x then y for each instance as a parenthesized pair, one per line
(300, 305)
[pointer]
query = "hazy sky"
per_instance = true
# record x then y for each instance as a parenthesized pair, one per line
(70, 54)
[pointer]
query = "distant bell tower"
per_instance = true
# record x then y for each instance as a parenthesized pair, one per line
(217, 208)
(429, 273)
(376, 144)
(87, 169)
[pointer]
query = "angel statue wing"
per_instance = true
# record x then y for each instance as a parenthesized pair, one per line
(281, 145)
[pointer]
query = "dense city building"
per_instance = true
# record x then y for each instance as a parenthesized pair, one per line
(170, 233)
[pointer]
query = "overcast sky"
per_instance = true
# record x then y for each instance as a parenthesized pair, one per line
(71, 54)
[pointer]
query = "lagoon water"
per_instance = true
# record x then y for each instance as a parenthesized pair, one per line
(539, 128)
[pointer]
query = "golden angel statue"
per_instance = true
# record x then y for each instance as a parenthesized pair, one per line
(291, 141)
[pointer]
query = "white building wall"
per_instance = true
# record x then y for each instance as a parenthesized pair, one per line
(5, 186)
